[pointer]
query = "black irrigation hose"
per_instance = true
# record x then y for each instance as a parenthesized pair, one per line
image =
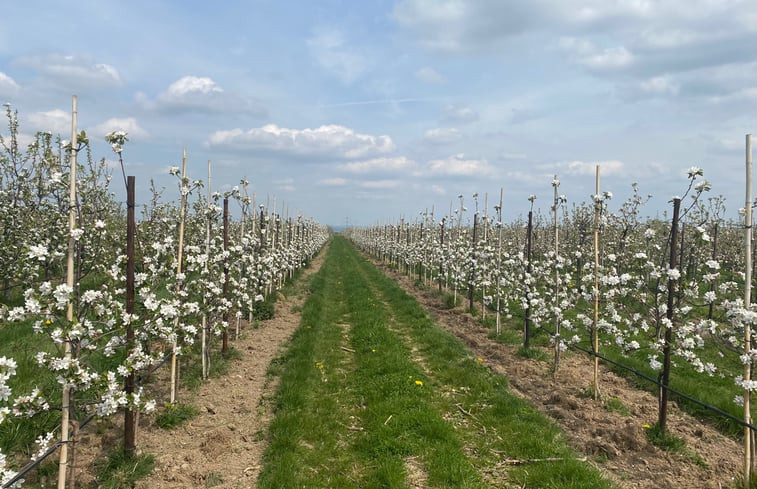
(703, 404)
(50, 450)
(28, 467)
(680, 394)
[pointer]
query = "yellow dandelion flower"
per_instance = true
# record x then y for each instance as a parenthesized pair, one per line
(646, 426)
(418, 382)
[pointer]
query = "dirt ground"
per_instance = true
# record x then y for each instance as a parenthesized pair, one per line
(223, 446)
(615, 443)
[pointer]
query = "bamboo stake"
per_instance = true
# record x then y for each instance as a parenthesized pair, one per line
(486, 225)
(205, 319)
(499, 260)
(241, 237)
(594, 329)
(66, 398)
(182, 219)
(747, 305)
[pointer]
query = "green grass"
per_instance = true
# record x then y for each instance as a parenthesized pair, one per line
(213, 479)
(370, 382)
(18, 341)
(674, 444)
(121, 472)
(718, 390)
(191, 372)
(173, 415)
(616, 405)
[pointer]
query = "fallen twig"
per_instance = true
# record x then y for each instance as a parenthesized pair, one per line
(521, 461)
(473, 416)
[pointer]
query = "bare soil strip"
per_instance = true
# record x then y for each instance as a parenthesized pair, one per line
(223, 446)
(616, 443)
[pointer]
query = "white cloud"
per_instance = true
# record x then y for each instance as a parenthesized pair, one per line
(380, 184)
(454, 25)
(669, 38)
(585, 168)
(332, 141)
(662, 85)
(330, 50)
(442, 135)
(333, 182)
(459, 113)
(7, 84)
(74, 71)
(430, 75)
(376, 165)
(586, 53)
(190, 85)
(128, 124)
(458, 165)
(609, 58)
(286, 184)
(438, 190)
(24, 139)
(199, 94)
(56, 121)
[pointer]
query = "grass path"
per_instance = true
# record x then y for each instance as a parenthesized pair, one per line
(374, 394)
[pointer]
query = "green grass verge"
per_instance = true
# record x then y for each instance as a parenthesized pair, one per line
(374, 394)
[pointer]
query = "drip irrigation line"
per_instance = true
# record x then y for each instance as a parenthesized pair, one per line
(644, 376)
(51, 449)
(689, 398)
(28, 467)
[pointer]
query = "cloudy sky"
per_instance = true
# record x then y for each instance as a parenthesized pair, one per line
(366, 110)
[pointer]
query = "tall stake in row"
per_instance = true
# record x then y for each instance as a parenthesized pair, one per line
(499, 259)
(205, 319)
(595, 322)
(66, 394)
(527, 323)
(472, 275)
(668, 333)
(558, 342)
(747, 305)
(130, 415)
(179, 282)
(225, 340)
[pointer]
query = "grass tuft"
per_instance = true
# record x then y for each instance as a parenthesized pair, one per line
(173, 415)
(122, 472)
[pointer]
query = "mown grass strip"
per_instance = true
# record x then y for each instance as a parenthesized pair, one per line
(402, 396)
(306, 438)
(400, 417)
(493, 423)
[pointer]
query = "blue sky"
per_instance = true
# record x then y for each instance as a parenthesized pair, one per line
(374, 109)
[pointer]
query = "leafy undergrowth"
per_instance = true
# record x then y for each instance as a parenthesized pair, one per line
(374, 394)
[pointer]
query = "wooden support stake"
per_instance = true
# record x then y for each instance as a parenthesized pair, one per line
(130, 435)
(66, 394)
